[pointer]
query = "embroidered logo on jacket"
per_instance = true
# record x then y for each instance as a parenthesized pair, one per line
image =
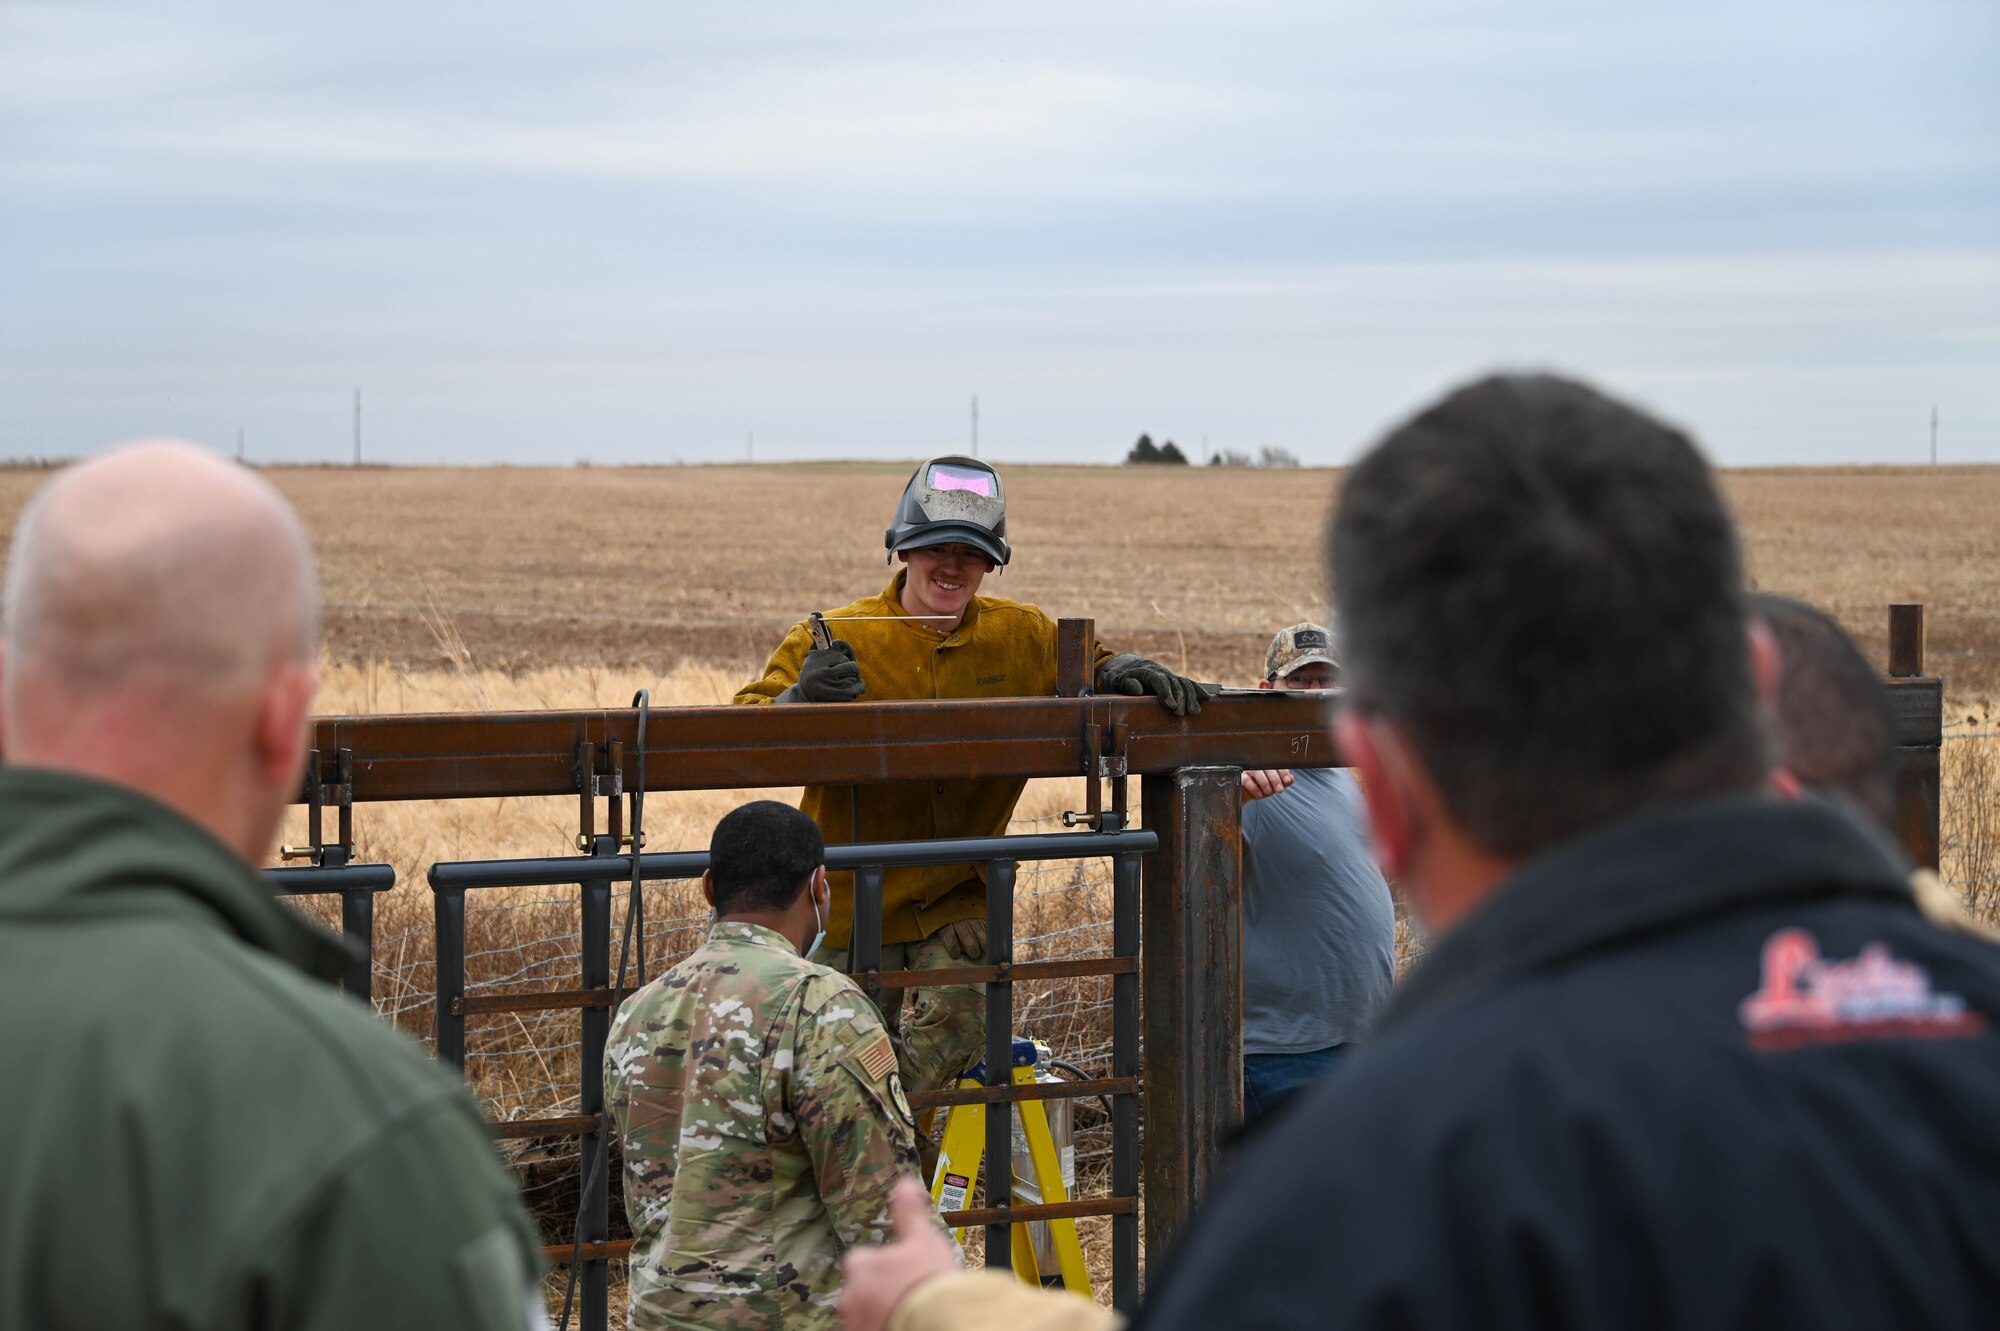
(1809, 999)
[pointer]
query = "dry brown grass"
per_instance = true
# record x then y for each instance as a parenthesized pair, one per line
(1969, 815)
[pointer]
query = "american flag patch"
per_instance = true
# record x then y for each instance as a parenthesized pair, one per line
(878, 1058)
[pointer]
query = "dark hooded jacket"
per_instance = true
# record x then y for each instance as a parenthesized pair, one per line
(200, 1131)
(1706, 1068)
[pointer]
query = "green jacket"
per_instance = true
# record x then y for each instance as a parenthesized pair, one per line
(200, 1131)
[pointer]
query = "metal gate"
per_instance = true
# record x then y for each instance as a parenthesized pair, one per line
(1176, 888)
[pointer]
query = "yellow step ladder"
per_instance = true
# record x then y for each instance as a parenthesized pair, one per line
(959, 1158)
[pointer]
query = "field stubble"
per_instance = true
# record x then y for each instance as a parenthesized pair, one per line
(517, 569)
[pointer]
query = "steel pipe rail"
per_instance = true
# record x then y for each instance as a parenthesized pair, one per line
(561, 870)
(356, 885)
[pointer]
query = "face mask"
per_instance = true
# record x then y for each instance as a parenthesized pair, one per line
(819, 937)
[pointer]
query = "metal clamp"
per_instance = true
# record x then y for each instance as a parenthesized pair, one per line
(319, 793)
(599, 773)
(598, 843)
(1101, 764)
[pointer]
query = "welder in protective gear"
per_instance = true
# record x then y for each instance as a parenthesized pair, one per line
(929, 634)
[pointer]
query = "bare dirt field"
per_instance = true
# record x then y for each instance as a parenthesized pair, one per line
(514, 569)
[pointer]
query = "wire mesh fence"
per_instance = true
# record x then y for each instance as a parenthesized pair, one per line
(1969, 814)
(527, 1065)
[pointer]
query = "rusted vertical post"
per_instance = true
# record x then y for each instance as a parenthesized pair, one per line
(1192, 973)
(864, 955)
(357, 923)
(1125, 871)
(1906, 639)
(1917, 700)
(1076, 649)
(593, 1218)
(1000, 1058)
(448, 904)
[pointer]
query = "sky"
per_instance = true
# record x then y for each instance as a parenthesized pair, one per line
(685, 231)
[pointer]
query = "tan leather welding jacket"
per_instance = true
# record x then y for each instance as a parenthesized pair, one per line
(1001, 649)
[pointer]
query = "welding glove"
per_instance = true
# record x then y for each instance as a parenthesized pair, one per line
(829, 674)
(1136, 675)
(965, 939)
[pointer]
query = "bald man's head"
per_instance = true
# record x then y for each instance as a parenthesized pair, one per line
(158, 566)
(160, 622)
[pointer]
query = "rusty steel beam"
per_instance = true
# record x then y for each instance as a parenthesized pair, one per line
(1076, 652)
(1916, 700)
(1029, 1213)
(484, 754)
(1192, 986)
(1089, 1206)
(1013, 972)
(569, 1125)
(1009, 1093)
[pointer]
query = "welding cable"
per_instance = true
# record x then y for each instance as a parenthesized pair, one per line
(1076, 1073)
(634, 905)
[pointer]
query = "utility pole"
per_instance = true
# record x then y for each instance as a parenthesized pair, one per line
(975, 425)
(357, 427)
(1933, 434)
(1204, 448)
(749, 445)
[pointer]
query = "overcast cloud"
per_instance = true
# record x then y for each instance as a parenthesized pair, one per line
(638, 232)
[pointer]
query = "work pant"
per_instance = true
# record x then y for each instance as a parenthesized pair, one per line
(1270, 1081)
(945, 1030)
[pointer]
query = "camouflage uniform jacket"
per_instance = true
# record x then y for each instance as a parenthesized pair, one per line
(755, 1095)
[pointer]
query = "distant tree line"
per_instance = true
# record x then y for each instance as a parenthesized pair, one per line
(1148, 453)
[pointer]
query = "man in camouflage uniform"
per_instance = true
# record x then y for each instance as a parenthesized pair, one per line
(757, 1100)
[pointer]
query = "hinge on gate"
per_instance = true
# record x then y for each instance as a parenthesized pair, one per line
(599, 773)
(1101, 762)
(319, 794)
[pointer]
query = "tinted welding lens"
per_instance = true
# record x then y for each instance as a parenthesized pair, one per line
(945, 477)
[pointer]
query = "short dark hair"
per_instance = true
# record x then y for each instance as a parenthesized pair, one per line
(762, 855)
(1835, 731)
(1541, 587)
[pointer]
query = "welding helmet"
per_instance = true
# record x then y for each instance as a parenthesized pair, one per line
(952, 500)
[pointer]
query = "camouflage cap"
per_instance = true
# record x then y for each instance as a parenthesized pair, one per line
(1301, 644)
